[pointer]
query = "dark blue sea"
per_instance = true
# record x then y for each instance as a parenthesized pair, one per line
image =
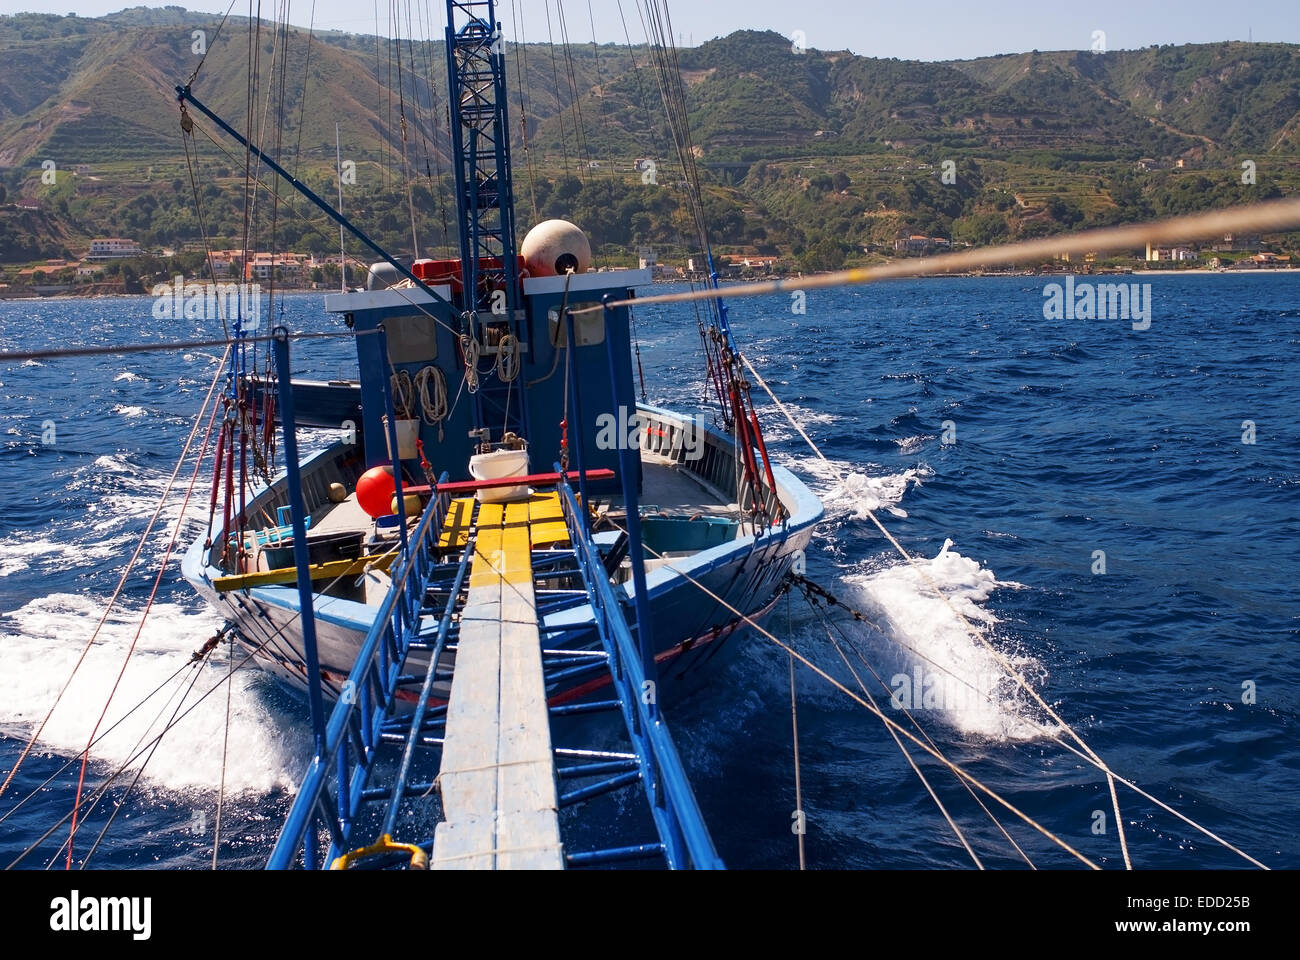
(1115, 511)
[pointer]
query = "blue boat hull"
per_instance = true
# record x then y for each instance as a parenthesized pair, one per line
(691, 626)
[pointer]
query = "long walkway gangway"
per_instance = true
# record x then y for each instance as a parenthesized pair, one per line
(468, 609)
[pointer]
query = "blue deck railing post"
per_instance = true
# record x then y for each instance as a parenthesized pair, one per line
(576, 429)
(301, 559)
(628, 463)
(683, 834)
(394, 455)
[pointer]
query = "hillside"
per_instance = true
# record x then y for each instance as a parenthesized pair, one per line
(813, 155)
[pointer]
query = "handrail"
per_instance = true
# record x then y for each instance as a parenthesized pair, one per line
(373, 676)
(674, 808)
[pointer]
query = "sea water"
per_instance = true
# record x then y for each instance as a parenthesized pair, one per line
(1108, 511)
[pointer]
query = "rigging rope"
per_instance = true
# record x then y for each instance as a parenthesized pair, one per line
(433, 403)
(117, 591)
(470, 350)
(1085, 752)
(874, 710)
(195, 657)
(813, 592)
(225, 752)
(961, 618)
(153, 593)
(952, 824)
(118, 806)
(521, 68)
(402, 291)
(1273, 216)
(508, 358)
(555, 76)
(826, 625)
(579, 124)
(203, 59)
(173, 345)
(794, 737)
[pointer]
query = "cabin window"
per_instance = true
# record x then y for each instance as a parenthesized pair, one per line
(412, 338)
(589, 328)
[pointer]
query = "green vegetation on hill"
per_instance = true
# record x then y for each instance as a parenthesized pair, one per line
(818, 156)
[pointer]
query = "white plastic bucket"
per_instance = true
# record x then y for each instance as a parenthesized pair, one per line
(496, 466)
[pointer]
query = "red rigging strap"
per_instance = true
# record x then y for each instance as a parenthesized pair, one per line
(715, 372)
(750, 468)
(778, 511)
(229, 491)
(241, 520)
(216, 480)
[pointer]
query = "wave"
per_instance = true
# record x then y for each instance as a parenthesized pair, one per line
(847, 490)
(938, 665)
(40, 643)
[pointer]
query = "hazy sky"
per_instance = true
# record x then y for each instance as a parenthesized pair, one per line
(924, 30)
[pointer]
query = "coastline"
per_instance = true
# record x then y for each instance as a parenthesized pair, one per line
(1196, 271)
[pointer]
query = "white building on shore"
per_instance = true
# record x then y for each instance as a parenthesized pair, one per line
(113, 248)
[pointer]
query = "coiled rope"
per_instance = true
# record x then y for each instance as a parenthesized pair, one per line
(470, 349)
(430, 386)
(508, 359)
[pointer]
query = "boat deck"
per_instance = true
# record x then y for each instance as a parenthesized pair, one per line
(666, 488)
(345, 517)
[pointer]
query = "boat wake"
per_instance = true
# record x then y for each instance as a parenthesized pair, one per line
(859, 493)
(933, 663)
(40, 643)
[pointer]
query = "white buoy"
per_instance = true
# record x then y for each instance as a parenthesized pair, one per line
(554, 247)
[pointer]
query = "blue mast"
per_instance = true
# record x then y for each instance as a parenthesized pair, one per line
(485, 203)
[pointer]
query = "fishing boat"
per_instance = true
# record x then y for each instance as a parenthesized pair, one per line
(485, 380)
(507, 536)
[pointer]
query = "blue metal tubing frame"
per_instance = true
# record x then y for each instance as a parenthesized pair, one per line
(417, 720)
(280, 347)
(357, 721)
(674, 808)
(393, 451)
(642, 851)
(641, 595)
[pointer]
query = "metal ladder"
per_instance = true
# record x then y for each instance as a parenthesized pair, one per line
(368, 770)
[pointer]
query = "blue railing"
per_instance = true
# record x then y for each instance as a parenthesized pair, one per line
(676, 813)
(341, 766)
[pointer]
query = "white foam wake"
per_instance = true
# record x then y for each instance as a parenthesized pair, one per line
(934, 665)
(847, 490)
(39, 644)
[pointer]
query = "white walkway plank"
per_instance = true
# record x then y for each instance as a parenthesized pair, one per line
(498, 775)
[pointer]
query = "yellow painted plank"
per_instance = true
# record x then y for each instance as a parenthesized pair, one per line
(547, 518)
(545, 506)
(517, 568)
(550, 532)
(318, 571)
(491, 515)
(516, 515)
(455, 530)
(486, 565)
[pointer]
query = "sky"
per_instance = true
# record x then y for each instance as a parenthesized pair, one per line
(925, 30)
